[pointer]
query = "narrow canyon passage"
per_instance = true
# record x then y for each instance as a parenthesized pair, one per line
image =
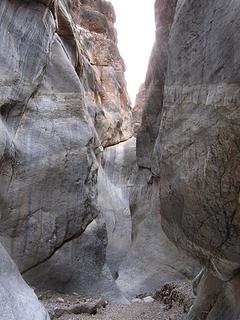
(109, 210)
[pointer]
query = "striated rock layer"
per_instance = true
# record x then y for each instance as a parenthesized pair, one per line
(190, 139)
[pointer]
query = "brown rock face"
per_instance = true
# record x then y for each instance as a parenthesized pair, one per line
(138, 108)
(189, 138)
(96, 34)
(95, 16)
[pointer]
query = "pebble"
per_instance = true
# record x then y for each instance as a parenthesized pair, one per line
(60, 300)
(166, 307)
(148, 299)
(137, 300)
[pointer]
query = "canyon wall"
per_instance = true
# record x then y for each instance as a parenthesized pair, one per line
(189, 141)
(138, 108)
(59, 108)
(63, 100)
(68, 160)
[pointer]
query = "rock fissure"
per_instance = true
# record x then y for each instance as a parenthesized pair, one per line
(57, 248)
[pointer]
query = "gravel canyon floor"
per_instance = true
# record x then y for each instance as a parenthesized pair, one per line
(136, 311)
(170, 302)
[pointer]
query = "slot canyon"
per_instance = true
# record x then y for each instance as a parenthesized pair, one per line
(112, 209)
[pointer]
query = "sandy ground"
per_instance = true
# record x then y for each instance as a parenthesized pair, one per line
(171, 302)
(134, 311)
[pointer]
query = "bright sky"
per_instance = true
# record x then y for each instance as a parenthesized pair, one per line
(136, 32)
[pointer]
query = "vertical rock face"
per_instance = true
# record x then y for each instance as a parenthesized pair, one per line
(115, 185)
(107, 100)
(65, 214)
(153, 260)
(91, 263)
(62, 100)
(190, 130)
(138, 108)
(155, 80)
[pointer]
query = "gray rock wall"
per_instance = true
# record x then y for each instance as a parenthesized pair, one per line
(63, 99)
(152, 259)
(190, 130)
(46, 195)
(90, 264)
(58, 108)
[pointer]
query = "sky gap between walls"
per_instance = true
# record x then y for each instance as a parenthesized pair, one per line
(136, 33)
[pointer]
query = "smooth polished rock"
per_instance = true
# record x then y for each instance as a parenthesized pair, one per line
(57, 109)
(17, 300)
(152, 259)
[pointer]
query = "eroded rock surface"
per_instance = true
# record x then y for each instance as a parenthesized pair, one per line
(63, 99)
(59, 104)
(152, 260)
(90, 264)
(138, 108)
(189, 140)
(115, 184)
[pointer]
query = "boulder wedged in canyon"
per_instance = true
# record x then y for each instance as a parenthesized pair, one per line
(17, 300)
(189, 138)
